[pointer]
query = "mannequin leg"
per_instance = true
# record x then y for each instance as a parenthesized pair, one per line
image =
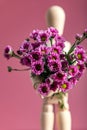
(64, 116)
(47, 117)
(47, 114)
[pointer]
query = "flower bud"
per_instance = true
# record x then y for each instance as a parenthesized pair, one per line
(85, 33)
(78, 36)
(27, 39)
(8, 52)
(9, 69)
(19, 52)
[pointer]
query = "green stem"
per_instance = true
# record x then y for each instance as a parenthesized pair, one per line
(16, 56)
(51, 41)
(77, 42)
(11, 69)
(21, 69)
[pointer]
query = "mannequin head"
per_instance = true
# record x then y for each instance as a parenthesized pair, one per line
(56, 17)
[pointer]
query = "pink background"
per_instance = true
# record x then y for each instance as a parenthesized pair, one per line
(20, 106)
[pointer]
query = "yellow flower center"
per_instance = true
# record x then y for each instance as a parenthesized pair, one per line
(64, 86)
(71, 71)
(54, 58)
(43, 51)
(55, 51)
(78, 66)
(79, 56)
(43, 38)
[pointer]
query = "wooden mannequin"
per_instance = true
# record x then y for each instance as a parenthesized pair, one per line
(56, 18)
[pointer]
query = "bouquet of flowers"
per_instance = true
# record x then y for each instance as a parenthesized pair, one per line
(53, 69)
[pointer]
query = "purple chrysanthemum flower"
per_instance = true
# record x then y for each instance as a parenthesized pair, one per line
(35, 45)
(65, 65)
(78, 76)
(49, 80)
(60, 76)
(53, 56)
(8, 52)
(44, 49)
(54, 65)
(34, 34)
(72, 80)
(65, 86)
(26, 60)
(80, 66)
(36, 56)
(56, 49)
(37, 67)
(60, 44)
(25, 47)
(62, 56)
(53, 32)
(54, 85)
(73, 70)
(43, 36)
(80, 54)
(43, 89)
(59, 39)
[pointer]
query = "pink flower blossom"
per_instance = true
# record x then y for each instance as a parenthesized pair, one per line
(8, 52)
(43, 89)
(54, 66)
(26, 60)
(65, 86)
(53, 32)
(34, 34)
(73, 70)
(25, 47)
(43, 36)
(36, 56)
(54, 85)
(80, 54)
(37, 67)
